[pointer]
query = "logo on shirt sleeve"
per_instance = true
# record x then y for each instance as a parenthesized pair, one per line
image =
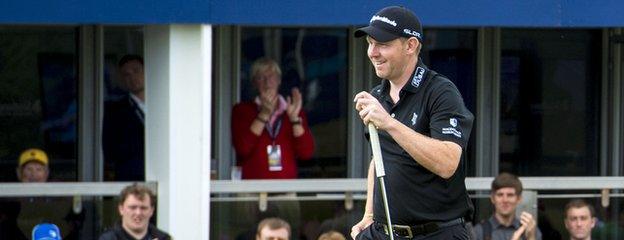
(452, 129)
(414, 117)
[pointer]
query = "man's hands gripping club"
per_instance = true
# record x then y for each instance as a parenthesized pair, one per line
(371, 111)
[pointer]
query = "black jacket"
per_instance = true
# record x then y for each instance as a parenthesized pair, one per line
(123, 140)
(118, 233)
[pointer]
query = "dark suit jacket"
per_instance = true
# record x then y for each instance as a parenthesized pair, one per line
(123, 139)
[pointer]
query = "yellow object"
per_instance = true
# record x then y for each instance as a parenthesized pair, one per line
(33, 154)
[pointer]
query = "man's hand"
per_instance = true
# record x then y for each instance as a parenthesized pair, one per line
(294, 104)
(371, 111)
(359, 227)
(528, 227)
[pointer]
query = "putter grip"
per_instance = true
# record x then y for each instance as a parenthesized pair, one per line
(377, 158)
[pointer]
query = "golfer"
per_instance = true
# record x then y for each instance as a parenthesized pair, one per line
(423, 127)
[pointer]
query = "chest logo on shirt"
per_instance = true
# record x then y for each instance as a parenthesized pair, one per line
(414, 117)
(418, 76)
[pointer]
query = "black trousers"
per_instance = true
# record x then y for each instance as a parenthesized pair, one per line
(459, 232)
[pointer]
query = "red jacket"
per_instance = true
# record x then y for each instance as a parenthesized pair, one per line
(251, 150)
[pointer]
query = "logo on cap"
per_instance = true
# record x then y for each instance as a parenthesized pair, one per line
(411, 32)
(383, 19)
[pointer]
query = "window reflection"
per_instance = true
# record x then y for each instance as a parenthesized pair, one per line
(550, 108)
(453, 53)
(123, 137)
(38, 97)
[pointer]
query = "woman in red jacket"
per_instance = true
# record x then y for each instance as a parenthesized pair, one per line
(270, 133)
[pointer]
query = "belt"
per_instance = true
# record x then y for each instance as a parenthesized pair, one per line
(422, 229)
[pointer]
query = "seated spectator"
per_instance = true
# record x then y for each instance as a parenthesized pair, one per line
(273, 229)
(579, 219)
(123, 127)
(136, 207)
(33, 166)
(506, 194)
(332, 235)
(271, 132)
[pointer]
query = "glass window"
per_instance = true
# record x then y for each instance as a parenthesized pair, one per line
(315, 61)
(38, 97)
(308, 219)
(550, 103)
(123, 136)
(453, 53)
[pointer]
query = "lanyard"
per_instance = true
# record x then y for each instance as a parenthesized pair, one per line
(275, 130)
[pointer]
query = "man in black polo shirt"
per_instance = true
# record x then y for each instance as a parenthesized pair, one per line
(424, 128)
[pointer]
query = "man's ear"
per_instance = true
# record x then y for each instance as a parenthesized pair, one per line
(119, 208)
(412, 45)
(18, 172)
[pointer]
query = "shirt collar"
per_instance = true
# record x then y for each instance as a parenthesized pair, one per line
(138, 102)
(417, 79)
(495, 224)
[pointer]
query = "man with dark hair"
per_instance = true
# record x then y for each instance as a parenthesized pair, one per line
(506, 194)
(273, 229)
(579, 219)
(424, 127)
(136, 207)
(123, 130)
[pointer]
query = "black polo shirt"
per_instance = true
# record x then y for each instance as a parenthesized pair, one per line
(431, 105)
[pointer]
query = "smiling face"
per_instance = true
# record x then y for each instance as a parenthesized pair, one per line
(579, 223)
(391, 59)
(505, 201)
(136, 213)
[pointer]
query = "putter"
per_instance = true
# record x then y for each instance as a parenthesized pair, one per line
(380, 172)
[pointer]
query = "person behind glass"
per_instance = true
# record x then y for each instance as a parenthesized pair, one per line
(33, 166)
(271, 132)
(123, 130)
(273, 229)
(506, 194)
(424, 128)
(579, 219)
(136, 207)
(331, 235)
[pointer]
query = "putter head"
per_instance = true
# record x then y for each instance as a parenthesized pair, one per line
(46, 231)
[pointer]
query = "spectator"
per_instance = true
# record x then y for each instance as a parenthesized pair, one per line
(136, 207)
(579, 219)
(273, 229)
(331, 235)
(46, 231)
(270, 133)
(123, 130)
(506, 194)
(33, 166)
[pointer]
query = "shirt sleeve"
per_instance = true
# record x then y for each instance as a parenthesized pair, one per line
(243, 139)
(450, 119)
(304, 144)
